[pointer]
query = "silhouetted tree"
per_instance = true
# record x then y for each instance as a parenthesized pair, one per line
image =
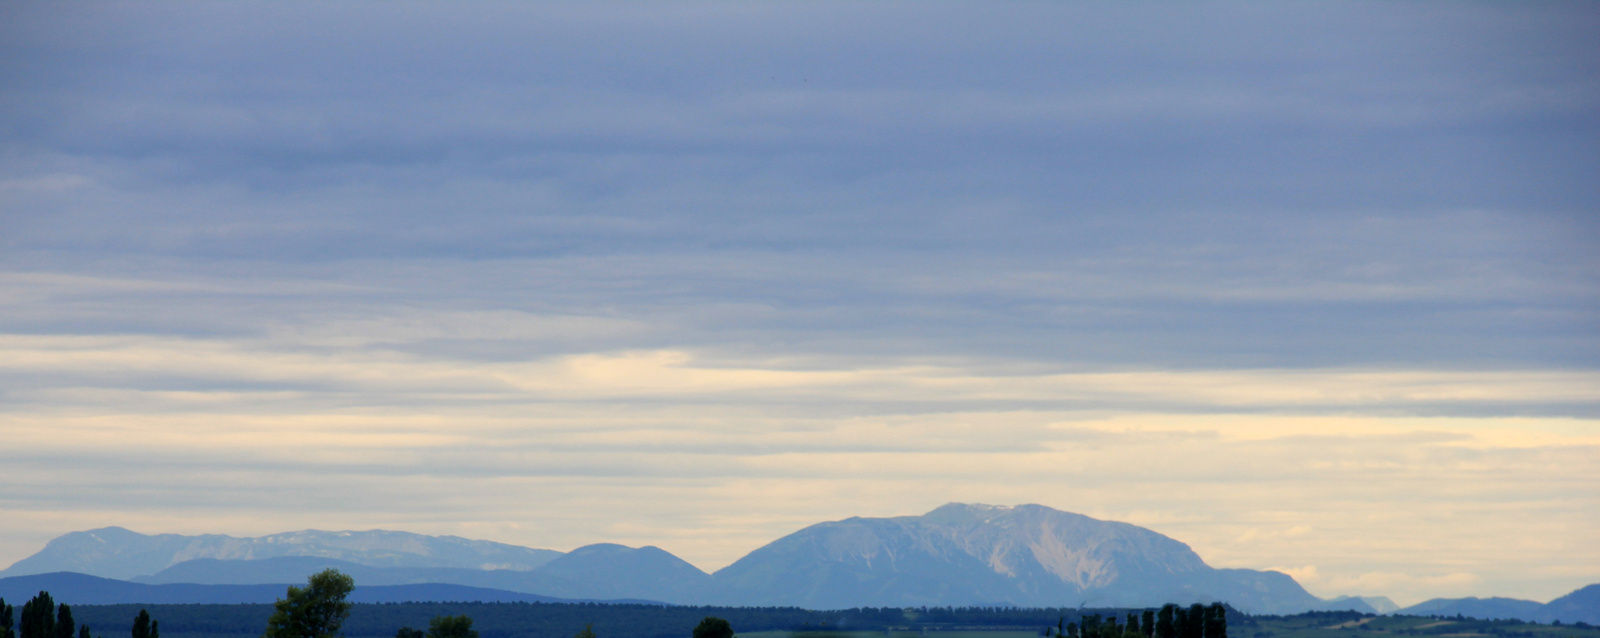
(65, 627)
(1195, 628)
(451, 627)
(39, 617)
(1093, 625)
(713, 627)
(141, 624)
(1133, 630)
(314, 611)
(588, 632)
(7, 620)
(1166, 626)
(1216, 621)
(1149, 624)
(1072, 630)
(407, 632)
(83, 632)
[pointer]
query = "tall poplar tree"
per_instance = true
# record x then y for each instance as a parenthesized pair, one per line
(65, 627)
(1165, 623)
(39, 617)
(1216, 621)
(7, 620)
(1091, 626)
(141, 624)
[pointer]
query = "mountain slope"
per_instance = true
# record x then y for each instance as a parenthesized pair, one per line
(295, 569)
(975, 554)
(614, 571)
(114, 552)
(1582, 605)
(1483, 608)
(82, 589)
(602, 572)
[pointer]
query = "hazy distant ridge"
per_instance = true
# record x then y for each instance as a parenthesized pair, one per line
(82, 589)
(114, 552)
(1580, 605)
(957, 554)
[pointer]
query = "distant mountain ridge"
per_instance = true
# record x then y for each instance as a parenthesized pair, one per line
(82, 589)
(1362, 604)
(114, 552)
(1582, 605)
(595, 572)
(1028, 555)
(958, 555)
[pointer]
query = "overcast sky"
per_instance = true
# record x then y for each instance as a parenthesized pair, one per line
(1310, 287)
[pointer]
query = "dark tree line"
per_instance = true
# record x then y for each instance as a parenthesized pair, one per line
(563, 620)
(1172, 621)
(41, 617)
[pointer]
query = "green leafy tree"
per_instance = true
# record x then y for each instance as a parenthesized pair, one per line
(314, 611)
(588, 632)
(407, 632)
(7, 620)
(451, 627)
(39, 617)
(141, 624)
(1133, 630)
(713, 627)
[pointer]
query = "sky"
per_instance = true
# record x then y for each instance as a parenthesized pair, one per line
(1312, 287)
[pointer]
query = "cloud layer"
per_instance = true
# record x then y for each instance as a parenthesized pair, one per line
(1312, 287)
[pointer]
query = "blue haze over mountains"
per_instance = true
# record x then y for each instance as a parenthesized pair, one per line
(958, 554)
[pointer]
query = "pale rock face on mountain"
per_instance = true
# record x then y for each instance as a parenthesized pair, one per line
(114, 552)
(982, 554)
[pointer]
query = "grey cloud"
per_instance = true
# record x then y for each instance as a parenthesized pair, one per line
(1006, 190)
